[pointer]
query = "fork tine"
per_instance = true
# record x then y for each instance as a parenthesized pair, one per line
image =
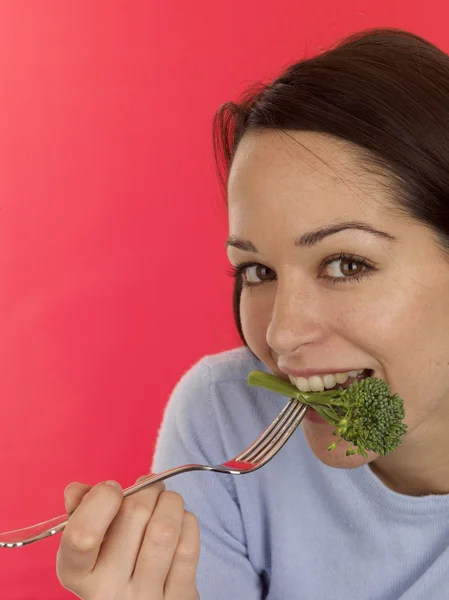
(266, 437)
(282, 436)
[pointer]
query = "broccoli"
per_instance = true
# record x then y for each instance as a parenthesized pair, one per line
(364, 414)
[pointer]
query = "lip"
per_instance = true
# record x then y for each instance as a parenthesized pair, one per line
(310, 372)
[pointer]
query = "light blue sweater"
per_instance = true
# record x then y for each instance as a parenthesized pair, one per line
(296, 529)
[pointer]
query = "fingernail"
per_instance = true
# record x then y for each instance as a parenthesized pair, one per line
(114, 484)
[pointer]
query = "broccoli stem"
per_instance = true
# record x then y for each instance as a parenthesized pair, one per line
(325, 400)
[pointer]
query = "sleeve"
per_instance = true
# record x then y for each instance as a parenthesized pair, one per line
(190, 434)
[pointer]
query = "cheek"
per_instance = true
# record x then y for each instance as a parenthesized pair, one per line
(369, 317)
(255, 314)
(392, 328)
(404, 333)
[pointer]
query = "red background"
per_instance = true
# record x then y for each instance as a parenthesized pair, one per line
(112, 263)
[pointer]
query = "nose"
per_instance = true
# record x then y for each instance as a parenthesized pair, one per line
(295, 321)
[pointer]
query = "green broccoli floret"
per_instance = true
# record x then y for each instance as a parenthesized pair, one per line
(364, 414)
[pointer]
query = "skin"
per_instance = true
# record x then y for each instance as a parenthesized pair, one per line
(144, 546)
(392, 321)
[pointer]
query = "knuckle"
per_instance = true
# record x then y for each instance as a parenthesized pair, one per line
(174, 498)
(188, 551)
(80, 541)
(191, 519)
(163, 532)
(133, 508)
(191, 523)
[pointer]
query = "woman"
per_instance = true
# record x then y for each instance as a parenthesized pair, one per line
(337, 180)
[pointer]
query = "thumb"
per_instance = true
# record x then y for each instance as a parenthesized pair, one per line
(73, 494)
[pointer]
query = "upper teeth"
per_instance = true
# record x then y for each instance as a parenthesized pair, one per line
(318, 383)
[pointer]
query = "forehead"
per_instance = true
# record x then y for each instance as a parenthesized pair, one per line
(315, 174)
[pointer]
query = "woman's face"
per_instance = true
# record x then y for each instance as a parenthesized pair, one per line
(317, 301)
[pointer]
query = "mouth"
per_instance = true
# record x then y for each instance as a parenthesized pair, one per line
(329, 381)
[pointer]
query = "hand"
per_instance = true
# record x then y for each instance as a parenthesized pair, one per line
(144, 547)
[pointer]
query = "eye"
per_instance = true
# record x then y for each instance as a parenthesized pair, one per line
(346, 267)
(257, 273)
(252, 273)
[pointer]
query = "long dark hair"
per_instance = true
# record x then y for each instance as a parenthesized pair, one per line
(385, 90)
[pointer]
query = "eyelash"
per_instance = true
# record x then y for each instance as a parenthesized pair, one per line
(238, 270)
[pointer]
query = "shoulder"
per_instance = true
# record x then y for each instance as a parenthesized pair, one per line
(231, 366)
(213, 400)
(211, 408)
(214, 392)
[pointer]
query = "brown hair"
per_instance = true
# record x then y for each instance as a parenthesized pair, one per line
(384, 90)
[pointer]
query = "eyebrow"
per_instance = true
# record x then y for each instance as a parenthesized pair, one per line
(314, 237)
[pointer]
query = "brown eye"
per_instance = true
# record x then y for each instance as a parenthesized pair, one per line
(346, 269)
(258, 273)
(350, 267)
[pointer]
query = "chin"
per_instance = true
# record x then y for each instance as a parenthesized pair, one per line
(319, 437)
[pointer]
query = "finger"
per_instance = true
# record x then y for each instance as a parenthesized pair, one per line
(181, 580)
(84, 533)
(159, 544)
(124, 538)
(73, 494)
(159, 484)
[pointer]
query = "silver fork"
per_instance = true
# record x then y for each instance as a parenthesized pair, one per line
(254, 457)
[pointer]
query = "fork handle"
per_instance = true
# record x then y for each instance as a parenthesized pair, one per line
(53, 526)
(137, 487)
(49, 528)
